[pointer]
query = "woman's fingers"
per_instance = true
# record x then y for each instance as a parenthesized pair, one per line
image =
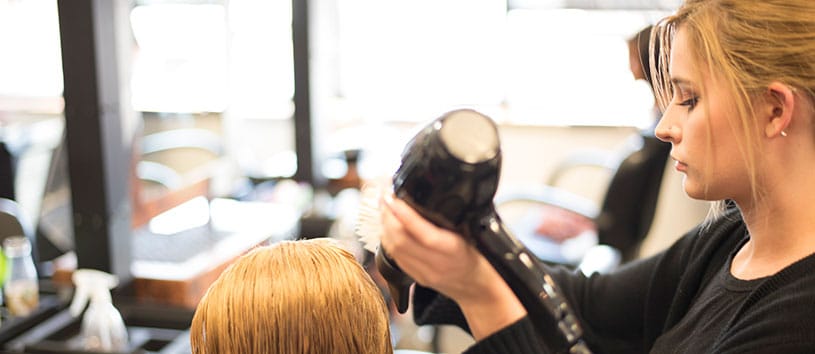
(420, 229)
(433, 256)
(399, 244)
(440, 259)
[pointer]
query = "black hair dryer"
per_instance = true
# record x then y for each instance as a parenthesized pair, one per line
(449, 174)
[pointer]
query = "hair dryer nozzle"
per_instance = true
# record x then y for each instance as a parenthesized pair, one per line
(451, 168)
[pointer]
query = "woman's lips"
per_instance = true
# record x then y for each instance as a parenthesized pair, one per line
(681, 167)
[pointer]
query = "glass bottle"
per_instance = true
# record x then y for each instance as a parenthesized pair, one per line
(21, 289)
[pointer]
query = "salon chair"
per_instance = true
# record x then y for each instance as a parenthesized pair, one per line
(614, 228)
(189, 147)
(174, 166)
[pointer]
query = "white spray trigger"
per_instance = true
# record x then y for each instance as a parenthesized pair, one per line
(93, 284)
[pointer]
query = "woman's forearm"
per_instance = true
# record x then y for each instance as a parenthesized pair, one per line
(495, 310)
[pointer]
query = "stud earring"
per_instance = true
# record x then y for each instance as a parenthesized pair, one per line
(783, 133)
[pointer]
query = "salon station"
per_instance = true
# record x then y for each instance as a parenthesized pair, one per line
(145, 145)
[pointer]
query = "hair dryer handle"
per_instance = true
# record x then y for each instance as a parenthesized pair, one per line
(398, 281)
(548, 309)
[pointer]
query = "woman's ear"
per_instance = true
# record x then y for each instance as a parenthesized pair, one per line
(778, 108)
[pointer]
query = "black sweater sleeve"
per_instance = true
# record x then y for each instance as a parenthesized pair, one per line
(523, 340)
(611, 308)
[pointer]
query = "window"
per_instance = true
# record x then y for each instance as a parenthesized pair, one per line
(570, 67)
(31, 104)
(212, 57)
(31, 66)
(180, 61)
(228, 60)
(536, 62)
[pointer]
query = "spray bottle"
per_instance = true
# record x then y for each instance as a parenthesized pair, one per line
(102, 326)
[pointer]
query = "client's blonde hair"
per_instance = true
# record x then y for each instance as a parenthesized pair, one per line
(306, 296)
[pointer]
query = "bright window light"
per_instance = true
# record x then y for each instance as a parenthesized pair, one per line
(31, 63)
(542, 66)
(415, 58)
(181, 61)
(570, 67)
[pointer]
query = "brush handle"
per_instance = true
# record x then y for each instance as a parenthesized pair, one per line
(398, 281)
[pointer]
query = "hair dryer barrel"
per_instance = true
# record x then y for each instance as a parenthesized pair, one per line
(451, 168)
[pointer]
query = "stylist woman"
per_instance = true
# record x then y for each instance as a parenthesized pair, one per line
(737, 85)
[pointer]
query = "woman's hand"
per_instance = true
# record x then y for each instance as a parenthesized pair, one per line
(445, 261)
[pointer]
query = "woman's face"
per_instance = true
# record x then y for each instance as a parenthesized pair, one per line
(700, 122)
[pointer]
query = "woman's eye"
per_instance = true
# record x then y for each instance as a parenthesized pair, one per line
(690, 102)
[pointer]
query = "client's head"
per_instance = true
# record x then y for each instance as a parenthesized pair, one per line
(306, 296)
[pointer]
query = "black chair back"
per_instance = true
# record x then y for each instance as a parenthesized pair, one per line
(629, 205)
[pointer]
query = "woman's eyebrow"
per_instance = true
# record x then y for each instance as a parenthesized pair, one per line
(679, 81)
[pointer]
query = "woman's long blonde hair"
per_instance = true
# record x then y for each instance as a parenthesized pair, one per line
(306, 296)
(748, 45)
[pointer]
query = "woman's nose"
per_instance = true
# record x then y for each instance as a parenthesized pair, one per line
(666, 130)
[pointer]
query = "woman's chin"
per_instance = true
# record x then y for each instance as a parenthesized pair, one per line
(693, 190)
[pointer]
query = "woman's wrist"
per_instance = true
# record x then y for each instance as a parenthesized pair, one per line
(495, 308)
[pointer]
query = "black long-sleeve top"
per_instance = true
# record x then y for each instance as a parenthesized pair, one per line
(682, 300)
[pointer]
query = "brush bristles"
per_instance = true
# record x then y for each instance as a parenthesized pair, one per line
(369, 224)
